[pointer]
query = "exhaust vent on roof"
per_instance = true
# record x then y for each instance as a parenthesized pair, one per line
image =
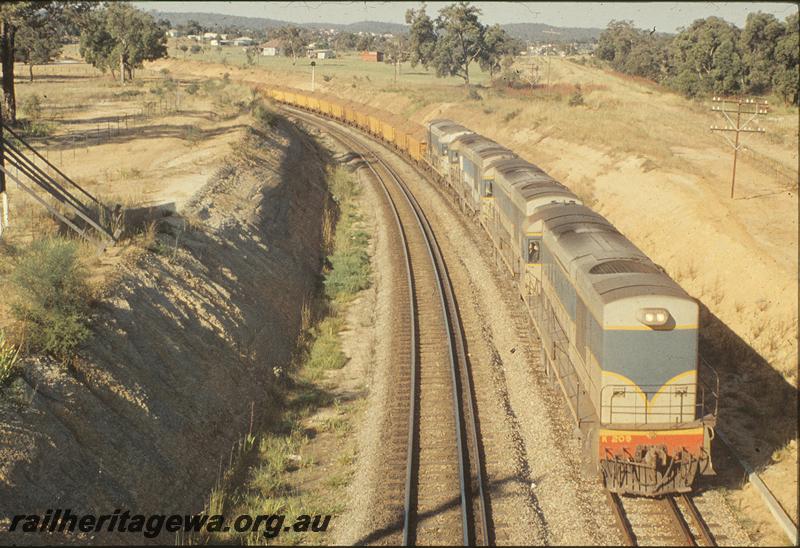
(623, 267)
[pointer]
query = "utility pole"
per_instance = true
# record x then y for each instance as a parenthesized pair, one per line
(748, 107)
(313, 64)
(3, 195)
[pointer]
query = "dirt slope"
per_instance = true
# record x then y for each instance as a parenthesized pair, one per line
(184, 341)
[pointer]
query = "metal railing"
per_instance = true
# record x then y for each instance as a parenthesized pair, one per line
(659, 404)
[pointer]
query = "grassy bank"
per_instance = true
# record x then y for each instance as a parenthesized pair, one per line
(278, 470)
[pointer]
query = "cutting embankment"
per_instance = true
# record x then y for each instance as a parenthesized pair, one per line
(643, 157)
(188, 339)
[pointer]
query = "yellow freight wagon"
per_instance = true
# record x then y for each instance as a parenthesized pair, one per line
(416, 147)
(400, 138)
(336, 110)
(312, 103)
(374, 124)
(324, 106)
(362, 120)
(388, 130)
(351, 115)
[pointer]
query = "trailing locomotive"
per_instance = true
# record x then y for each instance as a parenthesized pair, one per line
(619, 337)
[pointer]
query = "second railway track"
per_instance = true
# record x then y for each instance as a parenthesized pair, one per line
(444, 499)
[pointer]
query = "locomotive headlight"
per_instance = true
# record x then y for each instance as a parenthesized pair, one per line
(654, 317)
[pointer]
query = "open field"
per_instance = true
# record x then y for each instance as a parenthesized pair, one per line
(130, 145)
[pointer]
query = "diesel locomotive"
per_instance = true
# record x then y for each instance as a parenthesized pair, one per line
(619, 338)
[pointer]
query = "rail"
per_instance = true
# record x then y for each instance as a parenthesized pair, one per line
(473, 507)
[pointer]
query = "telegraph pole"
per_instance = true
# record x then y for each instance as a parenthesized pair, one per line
(739, 107)
(3, 195)
(313, 64)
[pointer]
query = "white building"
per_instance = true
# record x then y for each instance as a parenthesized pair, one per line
(271, 48)
(244, 41)
(321, 54)
(210, 36)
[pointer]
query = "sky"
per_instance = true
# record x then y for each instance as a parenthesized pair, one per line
(665, 16)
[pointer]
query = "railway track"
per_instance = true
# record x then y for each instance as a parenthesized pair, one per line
(667, 521)
(444, 498)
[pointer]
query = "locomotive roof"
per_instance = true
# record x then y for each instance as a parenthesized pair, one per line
(446, 127)
(526, 181)
(477, 147)
(602, 262)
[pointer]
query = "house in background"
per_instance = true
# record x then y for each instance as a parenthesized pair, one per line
(321, 54)
(244, 41)
(271, 48)
(373, 56)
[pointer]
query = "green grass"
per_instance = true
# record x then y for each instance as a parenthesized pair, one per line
(345, 69)
(52, 298)
(266, 467)
(350, 266)
(8, 358)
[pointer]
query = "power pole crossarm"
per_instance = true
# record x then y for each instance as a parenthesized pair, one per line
(739, 107)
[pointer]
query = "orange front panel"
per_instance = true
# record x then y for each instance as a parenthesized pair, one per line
(624, 442)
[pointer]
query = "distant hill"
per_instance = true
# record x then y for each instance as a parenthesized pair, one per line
(378, 27)
(538, 32)
(216, 20)
(212, 20)
(524, 31)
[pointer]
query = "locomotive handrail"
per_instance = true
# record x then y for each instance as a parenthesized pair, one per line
(649, 408)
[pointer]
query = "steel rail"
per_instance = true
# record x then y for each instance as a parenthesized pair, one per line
(456, 333)
(679, 521)
(699, 523)
(622, 521)
(455, 338)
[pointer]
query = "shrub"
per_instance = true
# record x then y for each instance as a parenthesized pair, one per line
(8, 358)
(326, 352)
(511, 115)
(350, 273)
(195, 49)
(576, 99)
(53, 305)
(32, 106)
(192, 88)
(342, 186)
(264, 115)
(474, 95)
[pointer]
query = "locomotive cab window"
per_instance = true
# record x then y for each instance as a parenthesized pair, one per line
(487, 188)
(534, 250)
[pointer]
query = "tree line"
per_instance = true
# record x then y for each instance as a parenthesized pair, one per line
(456, 39)
(114, 36)
(711, 56)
